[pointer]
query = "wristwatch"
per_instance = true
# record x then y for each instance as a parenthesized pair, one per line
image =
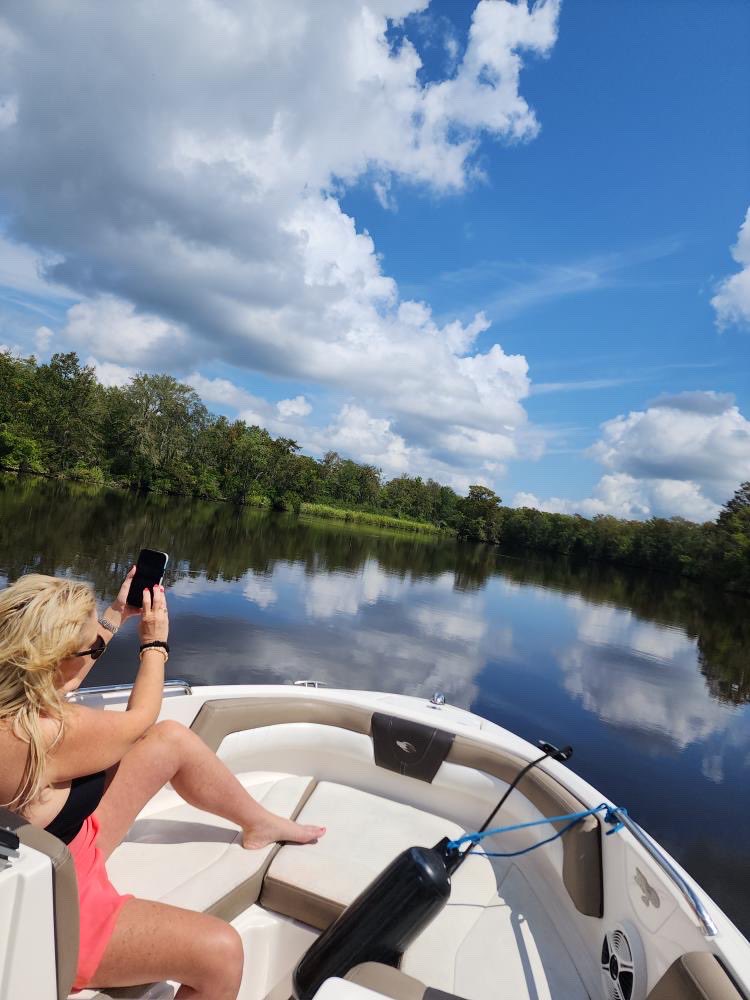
(108, 625)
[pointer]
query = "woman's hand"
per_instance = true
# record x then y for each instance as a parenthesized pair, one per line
(154, 624)
(120, 604)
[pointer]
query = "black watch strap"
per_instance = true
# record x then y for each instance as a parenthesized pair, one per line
(156, 644)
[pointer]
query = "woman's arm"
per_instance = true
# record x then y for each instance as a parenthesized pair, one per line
(119, 610)
(94, 740)
(148, 688)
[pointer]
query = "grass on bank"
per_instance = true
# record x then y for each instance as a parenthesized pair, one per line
(365, 517)
(258, 500)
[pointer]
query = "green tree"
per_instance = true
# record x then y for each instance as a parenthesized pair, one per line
(738, 505)
(67, 413)
(479, 515)
(19, 451)
(152, 426)
(409, 496)
(20, 447)
(732, 539)
(343, 481)
(239, 457)
(283, 475)
(156, 433)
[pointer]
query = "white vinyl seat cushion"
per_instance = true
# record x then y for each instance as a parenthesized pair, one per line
(504, 947)
(342, 989)
(177, 854)
(364, 834)
(492, 941)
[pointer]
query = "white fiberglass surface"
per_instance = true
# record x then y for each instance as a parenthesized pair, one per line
(27, 936)
(465, 796)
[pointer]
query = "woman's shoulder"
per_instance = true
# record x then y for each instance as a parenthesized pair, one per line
(13, 738)
(9, 737)
(13, 752)
(14, 741)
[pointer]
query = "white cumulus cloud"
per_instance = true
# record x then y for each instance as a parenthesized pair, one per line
(42, 339)
(684, 455)
(115, 331)
(192, 203)
(108, 373)
(8, 111)
(222, 392)
(297, 407)
(641, 676)
(732, 299)
(355, 432)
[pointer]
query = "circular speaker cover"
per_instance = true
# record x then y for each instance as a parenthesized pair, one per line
(623, 964)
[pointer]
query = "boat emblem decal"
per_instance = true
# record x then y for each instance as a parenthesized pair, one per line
(406, 747)
(650, 896)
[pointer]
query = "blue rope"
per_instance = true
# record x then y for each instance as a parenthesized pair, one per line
(610, 816)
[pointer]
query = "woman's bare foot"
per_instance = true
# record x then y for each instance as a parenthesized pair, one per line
(274, 828)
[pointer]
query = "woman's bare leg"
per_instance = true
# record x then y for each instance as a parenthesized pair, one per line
(171, 752)
(153, 941)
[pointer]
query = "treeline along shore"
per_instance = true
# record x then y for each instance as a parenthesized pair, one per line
(221, 542)
(155, 433)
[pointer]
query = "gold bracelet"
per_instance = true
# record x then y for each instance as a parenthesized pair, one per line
(154, 649)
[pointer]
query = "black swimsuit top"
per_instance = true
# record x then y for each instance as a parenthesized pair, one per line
(85, 795)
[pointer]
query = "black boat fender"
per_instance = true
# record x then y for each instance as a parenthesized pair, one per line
(383, 920)
(395, 907)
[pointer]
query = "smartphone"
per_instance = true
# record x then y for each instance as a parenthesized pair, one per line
(149, 570)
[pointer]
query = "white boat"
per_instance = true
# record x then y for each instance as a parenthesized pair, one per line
(592, 914)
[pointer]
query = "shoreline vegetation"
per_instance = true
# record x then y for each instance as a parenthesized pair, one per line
(374, 520)
(104, 529)
(356, 517)
(155, 434)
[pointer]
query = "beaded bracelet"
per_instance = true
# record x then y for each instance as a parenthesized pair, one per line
(155, 649)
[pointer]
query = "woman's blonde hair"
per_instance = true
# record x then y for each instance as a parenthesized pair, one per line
(42, 621)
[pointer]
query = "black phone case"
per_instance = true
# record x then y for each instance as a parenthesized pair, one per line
(140, 581)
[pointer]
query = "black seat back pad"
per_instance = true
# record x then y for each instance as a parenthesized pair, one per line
(408, 747)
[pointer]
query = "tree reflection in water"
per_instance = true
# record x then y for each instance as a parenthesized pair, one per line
(54, 527)
(588, 654)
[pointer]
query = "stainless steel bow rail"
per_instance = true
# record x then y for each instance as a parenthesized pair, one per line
(696, 905)
(170, 688)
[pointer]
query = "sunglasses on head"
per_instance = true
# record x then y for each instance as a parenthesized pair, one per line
(96, 650)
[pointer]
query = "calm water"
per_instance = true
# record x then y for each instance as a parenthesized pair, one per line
(648, 678)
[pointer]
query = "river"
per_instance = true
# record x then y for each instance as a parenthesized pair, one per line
(647, 677)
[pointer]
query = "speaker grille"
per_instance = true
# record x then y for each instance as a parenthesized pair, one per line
(623, 976)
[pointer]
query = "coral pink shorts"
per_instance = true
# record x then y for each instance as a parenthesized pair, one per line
(99, 901)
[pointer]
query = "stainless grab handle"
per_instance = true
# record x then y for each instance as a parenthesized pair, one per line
(709, 927)
(169, 686)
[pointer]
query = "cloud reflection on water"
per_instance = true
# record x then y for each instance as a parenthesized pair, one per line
(337, 593)
(641, 676)
(658, 712)
(384, 631)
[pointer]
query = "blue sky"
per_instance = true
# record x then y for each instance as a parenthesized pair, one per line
(593, 245)
(629, 198)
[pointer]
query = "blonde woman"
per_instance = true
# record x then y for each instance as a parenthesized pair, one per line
(85, 775)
